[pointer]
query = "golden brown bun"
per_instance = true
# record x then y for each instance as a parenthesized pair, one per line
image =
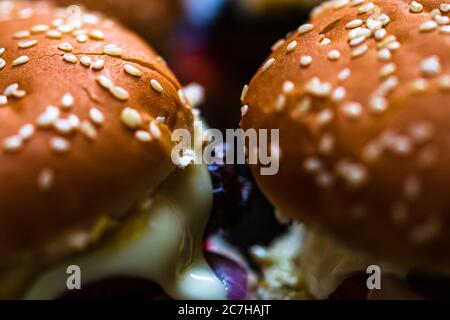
(150, 18)
(49, 193)
(382, 179)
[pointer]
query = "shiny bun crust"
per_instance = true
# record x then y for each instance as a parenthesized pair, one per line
(85, 121)
(152, 18)
(361, 97)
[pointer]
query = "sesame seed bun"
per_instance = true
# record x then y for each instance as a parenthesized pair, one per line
(85, 125)
(150, 18)
(361, 97)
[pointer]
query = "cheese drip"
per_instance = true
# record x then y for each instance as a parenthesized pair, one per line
(161, 244)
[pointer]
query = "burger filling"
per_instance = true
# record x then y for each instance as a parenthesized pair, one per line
(161, 242)
(306, 264)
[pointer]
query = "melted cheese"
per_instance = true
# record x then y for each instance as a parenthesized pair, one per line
(166, 249)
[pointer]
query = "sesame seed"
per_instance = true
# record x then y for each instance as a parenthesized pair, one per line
(58, 22)
(74, 120)
(384, 19)
(3, 100)
(431, 66)
(357, 41)
(354, 24)
(143, 136)
(355, 175)
(444, 7)
(278, 44)
(39, 28)
(68, 57)
(59, 145)
(292, 46)
(63, 126)
(359, 32)
(21, 60)
(120, 93)
(305, 61)
(53, 34)
(182, 97)
(244, 110)
(96, 35)
(318, 88)
(156, 85)
(374, 25)
(105, 82)
(280, 103)
(82, 38)
(131, 118)
(2, 63)
(98, 64)
(444, 29)
(384, 54)
(45, 179)
(13, 143)
(305, 28)
(48, 117)
(399, 145)
(21, 34)
(269, 63)
(352, 110)
(65, 28)
(325, 180)
(2, 51)
(96, 116)
(302, 107)
(244, 92)
(339, 94)
(88, 130)
(27, 44)
(435, 12)
(131, 70)
(393, 46)
(67, 101)
(161, 119)
(86, 61)
(428, 26)
(415, 7)
(312, 164)
(339, 4)
(380, 34)
(288, 87)
(344, 74)
(112, 50)
(355, 3)
(19, 94)
(388, 70)
(444, 83)
(334, 55)
(422, 132)
(369, 6)
(325, 41)
(326, 144)
(26, 131)
(359, 51)
(419, 85)
(441, 20)
(65, 46)
(154, 129)
(9, 91)
(378, 104)
(325, 117)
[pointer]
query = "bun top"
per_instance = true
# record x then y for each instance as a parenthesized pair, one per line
(361, 97)
(86, 113)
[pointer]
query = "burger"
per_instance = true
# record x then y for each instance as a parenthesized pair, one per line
(153, 19)
(359, 95)
(89, 188)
